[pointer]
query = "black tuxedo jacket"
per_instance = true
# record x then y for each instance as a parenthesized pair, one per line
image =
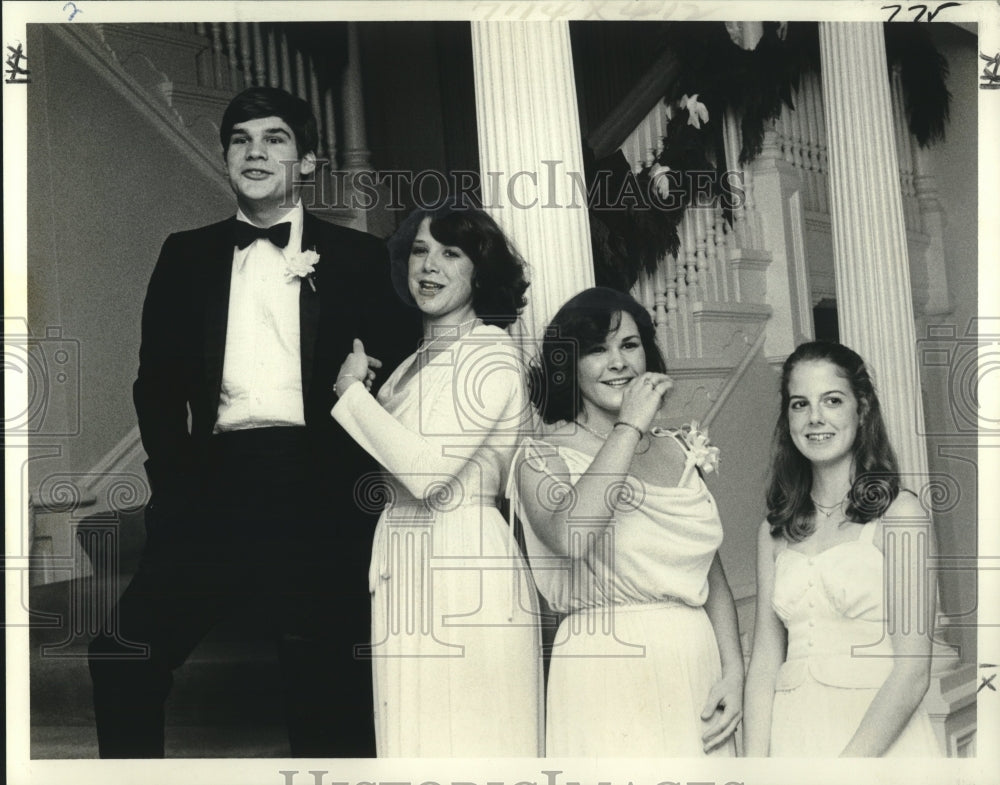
(184, 324)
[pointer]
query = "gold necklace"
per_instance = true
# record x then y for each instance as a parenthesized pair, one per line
(823, 508)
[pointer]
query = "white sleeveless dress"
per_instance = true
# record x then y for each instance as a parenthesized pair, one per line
(636, 655)
(839, 652)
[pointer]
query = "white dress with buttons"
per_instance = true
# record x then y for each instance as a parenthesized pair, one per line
(839, 652)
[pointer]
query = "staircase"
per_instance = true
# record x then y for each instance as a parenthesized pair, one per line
(226, 701)
(192, 70)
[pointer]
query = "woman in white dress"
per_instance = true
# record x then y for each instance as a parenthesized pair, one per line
(623, 537)
(842, 642)
(455, 639)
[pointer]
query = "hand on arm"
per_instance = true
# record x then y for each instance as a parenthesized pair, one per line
(420, 462)
(724, 705)
(358, 367)
(911, 597)
(767, 655)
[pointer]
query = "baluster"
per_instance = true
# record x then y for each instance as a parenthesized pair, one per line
(804, 154)
(723, 257)
(660, 307)
(273, 63)
(356, 153)
(682, 311)
(700, 253)
(330, 127)
(785, 134)
(794, 127)
(286, 64)
(246, 53)
(232, 56)
(711, 262)
(259, 55)
(217, 55)
(314, 94)
(642, 292)
(731, 141)
(824, 199)
(301, 90)
(754, 230)
(812, 130)
(691, 257)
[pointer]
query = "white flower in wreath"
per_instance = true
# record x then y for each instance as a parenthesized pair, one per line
(658, 177)
(697, 111)
(301, 265)
(700, 452)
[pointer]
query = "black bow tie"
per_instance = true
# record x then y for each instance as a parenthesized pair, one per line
(246, 233)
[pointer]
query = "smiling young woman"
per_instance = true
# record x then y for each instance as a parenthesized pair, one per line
(842, 640)
(623, 538)
(455, 644)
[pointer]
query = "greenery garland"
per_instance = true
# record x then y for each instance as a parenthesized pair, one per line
(634, 217)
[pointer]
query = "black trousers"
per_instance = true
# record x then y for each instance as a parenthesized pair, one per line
(262, 529)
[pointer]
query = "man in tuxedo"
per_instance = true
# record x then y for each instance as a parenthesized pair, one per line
(244, 326)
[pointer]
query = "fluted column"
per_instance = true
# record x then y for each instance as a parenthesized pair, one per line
(869, 237)
(529, 150)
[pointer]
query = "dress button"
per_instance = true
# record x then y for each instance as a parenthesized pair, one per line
(812, 623)
(812, 562)
(811, 582)
(812, 603)
(811, 643)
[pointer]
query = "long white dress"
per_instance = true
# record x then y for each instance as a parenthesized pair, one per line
(839, 651)
(634, 659)
(455, 637)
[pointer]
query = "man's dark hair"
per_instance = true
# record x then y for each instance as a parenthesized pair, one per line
(257, 102)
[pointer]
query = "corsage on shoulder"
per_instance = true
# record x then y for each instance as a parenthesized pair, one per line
(301, 265)
(700, 451)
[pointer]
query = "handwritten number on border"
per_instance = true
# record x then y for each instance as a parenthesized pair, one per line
(923, 9)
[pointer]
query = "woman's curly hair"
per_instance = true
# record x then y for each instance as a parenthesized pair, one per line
(498, 279)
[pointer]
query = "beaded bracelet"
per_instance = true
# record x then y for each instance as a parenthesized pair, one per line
(635, 428)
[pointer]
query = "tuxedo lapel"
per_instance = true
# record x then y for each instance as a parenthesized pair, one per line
(219, 272)
(309, 305)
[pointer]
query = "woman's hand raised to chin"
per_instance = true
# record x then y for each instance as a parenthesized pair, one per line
(643, 398)
(358, 367)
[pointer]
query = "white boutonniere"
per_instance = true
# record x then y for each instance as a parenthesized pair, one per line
(302, 265)
(700, 452)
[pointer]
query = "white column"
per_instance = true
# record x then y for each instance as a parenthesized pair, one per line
(529, 148)
(869, 237)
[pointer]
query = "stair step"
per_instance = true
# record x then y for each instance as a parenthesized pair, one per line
(227, 697)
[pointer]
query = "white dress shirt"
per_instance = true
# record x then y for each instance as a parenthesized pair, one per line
(262, 371)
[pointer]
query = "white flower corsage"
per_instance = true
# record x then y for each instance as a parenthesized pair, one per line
(301, 265)
(697, 111)
(700, 452)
